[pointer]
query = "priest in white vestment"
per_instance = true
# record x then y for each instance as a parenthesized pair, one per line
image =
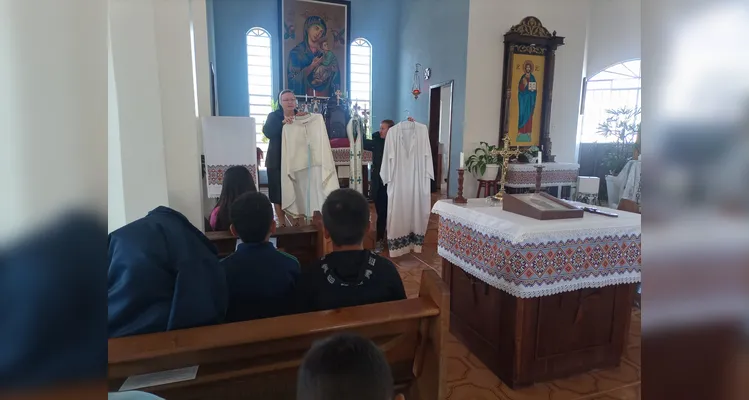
(407, 171)
(308, 172)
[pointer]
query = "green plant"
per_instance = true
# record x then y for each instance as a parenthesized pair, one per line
(623, 125)
(531, 152)
(482, 157)
(273, 105)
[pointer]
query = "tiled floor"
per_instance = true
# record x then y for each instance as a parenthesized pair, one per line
(469, 379)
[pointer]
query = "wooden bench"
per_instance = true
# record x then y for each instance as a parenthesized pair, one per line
(259, 359)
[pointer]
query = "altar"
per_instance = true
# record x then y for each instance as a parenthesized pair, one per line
(521, 177)
(539, 300)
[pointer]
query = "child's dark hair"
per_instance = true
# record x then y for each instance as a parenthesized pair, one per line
(237, 181)
(389, 122)
(252, 216)
(345, 215)
(344, 367)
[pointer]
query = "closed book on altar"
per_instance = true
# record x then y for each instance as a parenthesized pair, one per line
(541, 206)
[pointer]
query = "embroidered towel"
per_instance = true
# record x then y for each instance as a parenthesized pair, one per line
(228, 141)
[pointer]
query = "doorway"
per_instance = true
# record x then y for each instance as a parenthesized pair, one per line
(440, 134)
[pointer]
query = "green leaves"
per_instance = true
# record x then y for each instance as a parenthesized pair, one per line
(482, 156)
(623, 125)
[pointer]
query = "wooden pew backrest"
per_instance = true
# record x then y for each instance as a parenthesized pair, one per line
(259, 359)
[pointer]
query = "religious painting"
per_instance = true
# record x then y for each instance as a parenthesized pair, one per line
(315, 46)
(527, 97)
(530, 50)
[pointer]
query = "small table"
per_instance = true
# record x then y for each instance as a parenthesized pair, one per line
(521, 177)
(539, 300)
(490, 187)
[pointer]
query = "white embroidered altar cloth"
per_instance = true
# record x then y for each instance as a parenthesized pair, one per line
(528, 258)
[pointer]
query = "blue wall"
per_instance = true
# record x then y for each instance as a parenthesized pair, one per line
(375, 20)
(434, 33)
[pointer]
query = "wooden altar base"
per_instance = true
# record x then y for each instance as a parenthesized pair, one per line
(524, 341)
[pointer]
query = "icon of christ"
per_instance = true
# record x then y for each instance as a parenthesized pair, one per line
(526, 102)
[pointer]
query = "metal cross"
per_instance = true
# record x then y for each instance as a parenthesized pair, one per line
(506, 153)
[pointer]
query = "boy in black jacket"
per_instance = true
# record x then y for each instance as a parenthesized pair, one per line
(260, 278)
(350, 275)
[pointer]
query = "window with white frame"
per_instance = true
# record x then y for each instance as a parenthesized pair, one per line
(361, 73)
(260, 81)
(615, 87)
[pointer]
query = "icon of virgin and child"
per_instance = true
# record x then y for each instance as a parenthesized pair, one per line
(312, 68)
(526, 102)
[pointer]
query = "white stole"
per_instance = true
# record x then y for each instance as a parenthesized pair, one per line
(356, 178)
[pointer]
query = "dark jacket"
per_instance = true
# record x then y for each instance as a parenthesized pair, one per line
(347, 279)
(272, 130)
(50, 304)
(164, 274)
(261, 282)
(377, 146)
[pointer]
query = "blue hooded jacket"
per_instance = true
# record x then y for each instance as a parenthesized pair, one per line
(163, 275)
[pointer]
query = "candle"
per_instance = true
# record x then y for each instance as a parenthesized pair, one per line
(462, 163)
(314, 93)
(305, 97)
(539, 157)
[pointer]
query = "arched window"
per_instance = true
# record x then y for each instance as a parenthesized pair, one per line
(615, 87)
(361, 73)
(260, 80)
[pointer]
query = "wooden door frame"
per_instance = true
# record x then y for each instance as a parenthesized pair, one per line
(450, 83)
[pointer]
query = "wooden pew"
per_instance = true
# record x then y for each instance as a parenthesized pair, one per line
(259, 359)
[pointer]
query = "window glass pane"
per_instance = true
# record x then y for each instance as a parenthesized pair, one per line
(626, 83)
(262, 80)
(360, 78)
(359, 59)
(617, 89)
(359, 87)
(255, 70)
(260, 89)
(360, 51)
(256, 60)
(360, 69)
(258, 109)
(258, 51)
(598, 85)
(258, 41)
(359, 95)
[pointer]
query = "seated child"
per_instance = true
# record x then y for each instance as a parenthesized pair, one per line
(260, 278)
(350, 275)
(345, 367)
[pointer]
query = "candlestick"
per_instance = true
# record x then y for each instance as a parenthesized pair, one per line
(462, 162)
(460, 199)
(539, 168)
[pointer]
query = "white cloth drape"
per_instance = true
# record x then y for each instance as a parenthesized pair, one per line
(308, 172)
(407, 171)
(228, 141)
(356, 178)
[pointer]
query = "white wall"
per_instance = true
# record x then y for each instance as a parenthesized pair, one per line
(116, 195)
(614, 34)
(158, 136)
(488, 21)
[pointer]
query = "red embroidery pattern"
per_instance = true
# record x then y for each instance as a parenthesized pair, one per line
(540, 264)
(342, 156)
(547, 177)
(215, 173)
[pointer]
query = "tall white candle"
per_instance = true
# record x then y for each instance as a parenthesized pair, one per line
(539, 157)
(462, 162)
(314, 93)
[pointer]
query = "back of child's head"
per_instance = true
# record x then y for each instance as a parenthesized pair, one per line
(237, 181)
(344, 367)
(252, 217)
(345, 215)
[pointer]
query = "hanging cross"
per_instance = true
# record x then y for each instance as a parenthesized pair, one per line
(506, 153)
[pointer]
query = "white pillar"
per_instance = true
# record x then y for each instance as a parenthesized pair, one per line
(156, 106)
(53, 110)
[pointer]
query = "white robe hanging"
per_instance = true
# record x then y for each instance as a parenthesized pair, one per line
(356, 179)
(407, 170)
(308, 173)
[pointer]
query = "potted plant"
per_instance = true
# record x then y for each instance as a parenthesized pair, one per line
(483, 163)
